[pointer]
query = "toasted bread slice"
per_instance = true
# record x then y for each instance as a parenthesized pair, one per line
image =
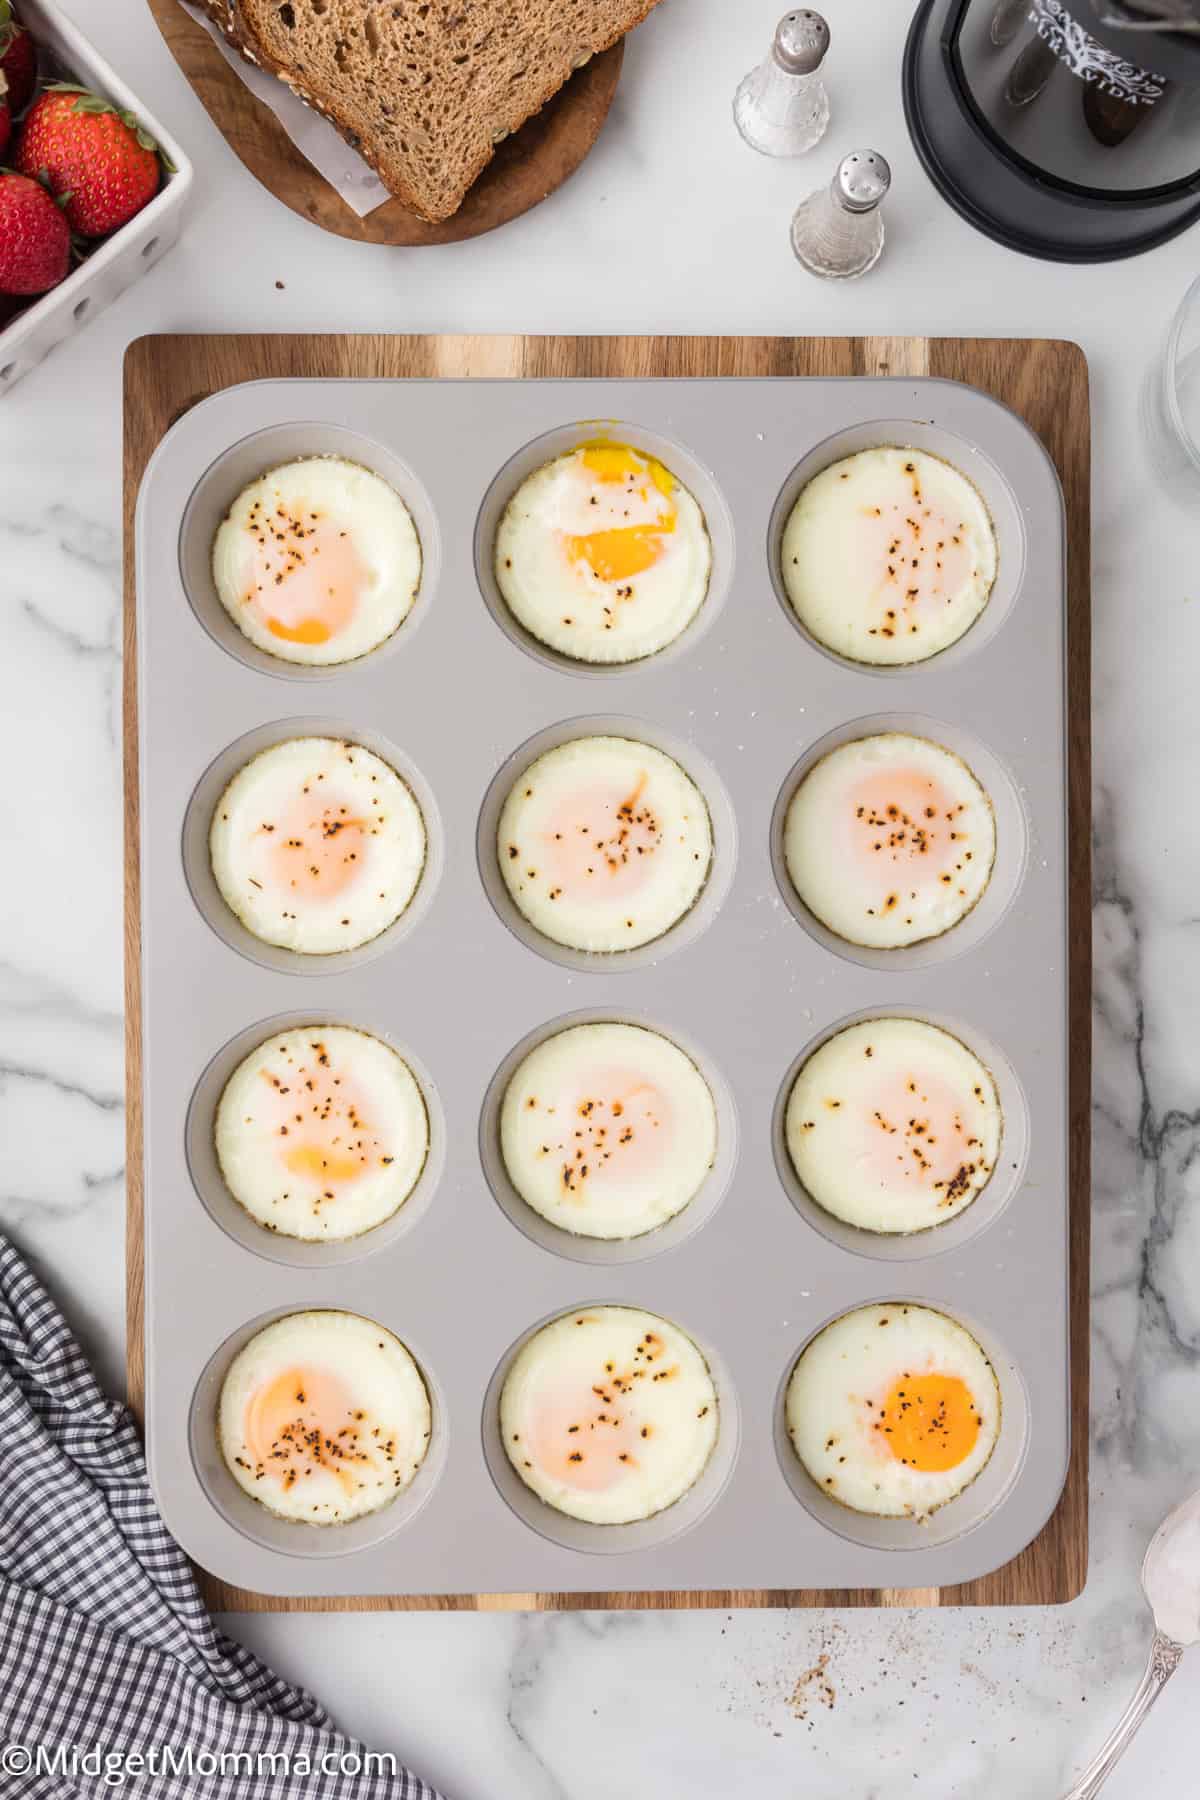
(426, 89)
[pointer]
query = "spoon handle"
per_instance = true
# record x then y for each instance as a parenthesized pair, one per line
(1165, 1656)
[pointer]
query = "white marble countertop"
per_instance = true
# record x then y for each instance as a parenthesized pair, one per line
(672, 225)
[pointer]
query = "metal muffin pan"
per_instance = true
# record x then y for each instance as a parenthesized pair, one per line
(458, 699)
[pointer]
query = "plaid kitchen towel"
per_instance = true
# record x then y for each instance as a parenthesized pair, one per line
(107, 1652)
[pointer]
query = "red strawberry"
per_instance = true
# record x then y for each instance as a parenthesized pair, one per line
(100, 162)
(18, 59)
(35, 239)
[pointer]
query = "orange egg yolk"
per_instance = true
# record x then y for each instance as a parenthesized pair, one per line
(318, 847)
(301, 573)
(929, 1422)
(901, 818)
(601, 840)
(617, 553)
(322, 1124)
(615, 1127)
(302, 1420)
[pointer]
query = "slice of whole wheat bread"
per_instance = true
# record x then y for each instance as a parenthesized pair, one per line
(425, 89)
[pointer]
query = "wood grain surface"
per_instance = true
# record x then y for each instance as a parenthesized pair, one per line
(1047, 383)
(526, 169)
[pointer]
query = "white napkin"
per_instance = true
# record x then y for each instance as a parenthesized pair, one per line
(314, 137)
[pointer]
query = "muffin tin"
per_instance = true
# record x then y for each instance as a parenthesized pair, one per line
(458, 700)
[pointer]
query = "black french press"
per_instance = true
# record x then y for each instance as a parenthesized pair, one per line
(1069, 135)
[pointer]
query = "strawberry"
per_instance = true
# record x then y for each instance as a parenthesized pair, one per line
(5, 115)
(35, 239)
(99, 162)
(18, 59)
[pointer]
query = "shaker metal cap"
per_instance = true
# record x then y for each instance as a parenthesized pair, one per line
(801, 40)
(862, 179)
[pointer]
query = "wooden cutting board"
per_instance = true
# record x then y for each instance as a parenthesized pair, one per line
(526, 169)
(1047, 383)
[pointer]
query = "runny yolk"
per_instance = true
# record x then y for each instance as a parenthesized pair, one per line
(929, 1422)
(318, 847)
(301, 572)
(901, 817)
(619, 552)
(305, 1419)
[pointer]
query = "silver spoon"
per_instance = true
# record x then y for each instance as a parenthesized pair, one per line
(1171, 1584)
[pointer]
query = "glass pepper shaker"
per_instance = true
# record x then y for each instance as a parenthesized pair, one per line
(782, 107)
(838, 231)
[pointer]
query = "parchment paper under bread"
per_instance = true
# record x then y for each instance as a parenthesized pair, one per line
(314, 137)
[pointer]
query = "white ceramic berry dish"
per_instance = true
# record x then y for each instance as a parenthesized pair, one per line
(116, 263)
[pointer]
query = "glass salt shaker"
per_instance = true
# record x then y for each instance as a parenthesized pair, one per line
(838, 231)
(782, 108)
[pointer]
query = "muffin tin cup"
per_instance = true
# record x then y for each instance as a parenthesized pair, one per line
(986, 476)
(641, 1535)
(682, 464)
(209, 1183)
(234, 469)
(967, 1510)
(952, 1234)
(198, 864)
(721, 815)
(745, 983)
(667, 1236)
(292, 1537)
(1008, 868)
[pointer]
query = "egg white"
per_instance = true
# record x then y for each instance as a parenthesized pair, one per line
(633, 1385)
(321, 1133)
(884, 881)
(843, 1381)
(889, 556)
(371, 1371)
(893, 1125)
(608, 1130)
(317, 561)
(604, 843)
(317, 802)
(568, 604)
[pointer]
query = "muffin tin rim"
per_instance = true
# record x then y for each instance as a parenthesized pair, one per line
(810, 386)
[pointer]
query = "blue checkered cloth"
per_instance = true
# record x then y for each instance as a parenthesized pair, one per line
(105, 1642)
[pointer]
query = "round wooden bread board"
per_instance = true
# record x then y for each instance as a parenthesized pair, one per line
(526, 169)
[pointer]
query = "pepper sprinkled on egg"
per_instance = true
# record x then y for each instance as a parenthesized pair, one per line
(604, 843)
(894, 1125)
(890, 840)
(323, 1417)
(608, 1130)
(603, 554)
(317, 845)
(889, 556)
(893, 1410)
(317, 561)
(609, 1414)
(321, 1133)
